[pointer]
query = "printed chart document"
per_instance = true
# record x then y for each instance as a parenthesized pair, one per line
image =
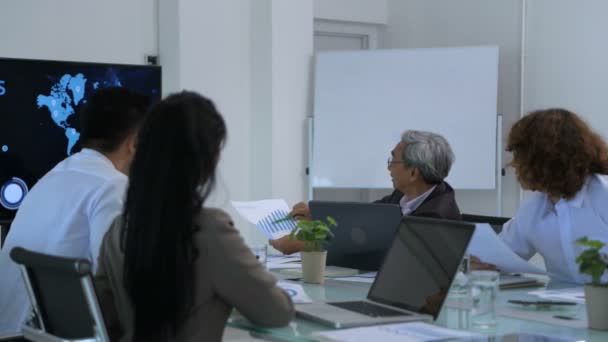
(295, 291)
(401, 332)
(264, 214)
(489, 248)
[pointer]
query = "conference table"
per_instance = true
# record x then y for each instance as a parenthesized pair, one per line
(454, 314)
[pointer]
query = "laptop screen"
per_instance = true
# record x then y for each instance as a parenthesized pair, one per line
(365, 232)
(421, 264)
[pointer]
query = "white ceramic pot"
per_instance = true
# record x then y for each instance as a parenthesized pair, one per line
(596, 298)
(313, 267)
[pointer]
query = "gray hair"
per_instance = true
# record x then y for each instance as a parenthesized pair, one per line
(428, 152)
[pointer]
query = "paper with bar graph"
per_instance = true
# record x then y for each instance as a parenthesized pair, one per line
(264, 215)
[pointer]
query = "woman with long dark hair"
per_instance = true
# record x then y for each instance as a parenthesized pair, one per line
(169, 268)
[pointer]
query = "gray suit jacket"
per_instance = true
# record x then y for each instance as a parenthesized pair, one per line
(227, 276)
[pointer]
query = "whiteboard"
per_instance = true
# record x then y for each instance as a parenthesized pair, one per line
(364, 100)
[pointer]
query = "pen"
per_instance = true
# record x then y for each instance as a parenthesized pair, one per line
(286, 218)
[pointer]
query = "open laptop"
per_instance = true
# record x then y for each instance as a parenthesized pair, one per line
(413, 281)
(365, 232)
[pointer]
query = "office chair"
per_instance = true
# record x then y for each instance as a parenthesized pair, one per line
(494, 221)
(63, 298)
(12, 338)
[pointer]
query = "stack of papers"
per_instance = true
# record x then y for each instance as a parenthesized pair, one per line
(402, 332)
(575, 294)
(264, 215)
(514, 282)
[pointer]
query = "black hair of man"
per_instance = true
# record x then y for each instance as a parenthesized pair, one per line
(110, 116)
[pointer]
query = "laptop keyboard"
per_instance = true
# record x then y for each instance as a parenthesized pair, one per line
(369, 309)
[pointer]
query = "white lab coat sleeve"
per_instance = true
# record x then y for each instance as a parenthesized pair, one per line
(515, 233)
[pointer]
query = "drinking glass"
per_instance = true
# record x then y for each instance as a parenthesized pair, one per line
(261, 253)
(484, 289)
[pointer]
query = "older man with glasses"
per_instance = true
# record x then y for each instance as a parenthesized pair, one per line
(418, 165)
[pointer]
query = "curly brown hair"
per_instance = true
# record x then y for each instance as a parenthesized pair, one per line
(554, 151)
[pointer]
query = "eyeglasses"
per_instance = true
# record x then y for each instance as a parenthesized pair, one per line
(391, 161)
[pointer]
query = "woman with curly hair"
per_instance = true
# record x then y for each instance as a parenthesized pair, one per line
(556, 154)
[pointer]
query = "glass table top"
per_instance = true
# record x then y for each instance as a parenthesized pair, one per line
(454, 314)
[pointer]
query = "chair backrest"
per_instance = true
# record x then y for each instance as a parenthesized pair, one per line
(63, 297)
(495, 222)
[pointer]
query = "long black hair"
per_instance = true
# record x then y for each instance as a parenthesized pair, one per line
(171, 175)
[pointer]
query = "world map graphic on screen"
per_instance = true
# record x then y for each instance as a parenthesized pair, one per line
(69, 90)
(44, 98)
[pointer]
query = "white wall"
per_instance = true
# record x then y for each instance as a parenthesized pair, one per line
(205, 48)
(292, 54)
(281, 53)
(444, 23)
(361, 11)
(567, 58)
(253, 61)
(92, 31)
(169, 44)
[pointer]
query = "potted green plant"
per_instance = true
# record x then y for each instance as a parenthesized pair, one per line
(594, 263)
(314, 234)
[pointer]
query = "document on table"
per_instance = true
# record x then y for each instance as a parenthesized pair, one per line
(264, 214)
(360, 278)
(401, 332)
(284, 261)
(489, 248)
(295, 291)
(330, 272)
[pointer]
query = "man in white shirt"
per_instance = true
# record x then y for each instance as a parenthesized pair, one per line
(68, 211)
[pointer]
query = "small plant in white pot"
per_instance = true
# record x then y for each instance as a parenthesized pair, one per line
(595, 263)
(314, 234)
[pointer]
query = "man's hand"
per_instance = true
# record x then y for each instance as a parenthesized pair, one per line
(300, 211)
(287, 246)
(477, 264)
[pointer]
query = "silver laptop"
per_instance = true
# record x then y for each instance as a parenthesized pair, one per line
(364, 234)
(413, 281)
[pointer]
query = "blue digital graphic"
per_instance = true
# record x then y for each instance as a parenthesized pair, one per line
(2, 87)
(12, 193)
(4, 148)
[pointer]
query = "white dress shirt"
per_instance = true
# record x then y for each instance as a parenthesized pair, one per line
(541, 227)
(408, 206)
(66, 213)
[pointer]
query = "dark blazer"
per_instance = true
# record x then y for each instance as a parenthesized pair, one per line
(441, 203)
